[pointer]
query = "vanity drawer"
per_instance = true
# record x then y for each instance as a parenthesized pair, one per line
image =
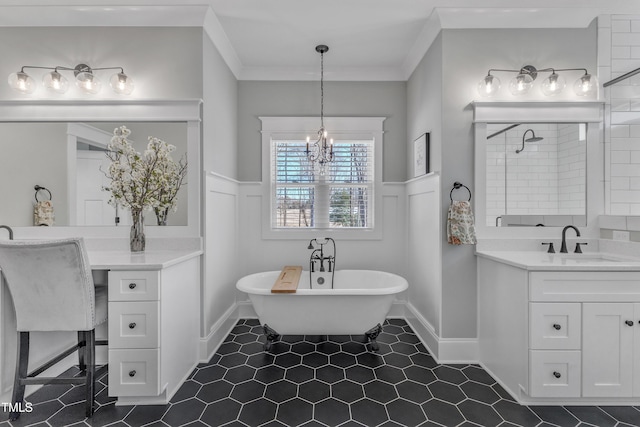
(134, 372)
(555, 326)
(134, 324)
(134, 285)
(554, 373)
(587, 286)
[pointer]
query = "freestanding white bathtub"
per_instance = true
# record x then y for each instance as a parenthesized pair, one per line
(358, 302)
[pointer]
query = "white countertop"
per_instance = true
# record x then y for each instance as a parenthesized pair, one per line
(542, 261)
(148, 260)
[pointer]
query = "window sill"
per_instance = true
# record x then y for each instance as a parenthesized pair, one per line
(309, 233)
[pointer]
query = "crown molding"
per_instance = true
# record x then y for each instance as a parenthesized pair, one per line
(312, 74)
(213, 29)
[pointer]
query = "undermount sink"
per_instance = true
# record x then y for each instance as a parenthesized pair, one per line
(586, 258)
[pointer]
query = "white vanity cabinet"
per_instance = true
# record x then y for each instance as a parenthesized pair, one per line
(153, 326)
(561, 336)
(611, 348)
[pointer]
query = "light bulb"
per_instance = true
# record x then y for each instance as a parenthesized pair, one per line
(56, 82)
(88, 82)
(488, 86)
(121, 83)
(520, 84)
(553, 85)
(585, 85)
(22, 82)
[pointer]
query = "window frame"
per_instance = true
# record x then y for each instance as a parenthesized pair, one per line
(299, 128)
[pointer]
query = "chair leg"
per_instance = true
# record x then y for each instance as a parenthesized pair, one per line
(90, 352)
(82, 345)
(21, 373)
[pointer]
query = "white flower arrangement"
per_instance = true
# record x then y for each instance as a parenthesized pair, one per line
(141, 181)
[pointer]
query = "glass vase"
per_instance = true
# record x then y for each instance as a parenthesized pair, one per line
(136, 237)
(161, 215)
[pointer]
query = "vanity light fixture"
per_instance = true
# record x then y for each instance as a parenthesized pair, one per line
(523, 82)
(320, 151)
(85, 79)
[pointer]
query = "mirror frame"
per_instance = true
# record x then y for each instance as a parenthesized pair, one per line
(189, 111)
(589, 112)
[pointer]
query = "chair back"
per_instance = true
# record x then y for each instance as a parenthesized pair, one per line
(50, 283)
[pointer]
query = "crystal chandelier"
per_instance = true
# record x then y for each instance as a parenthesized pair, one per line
(321, 151)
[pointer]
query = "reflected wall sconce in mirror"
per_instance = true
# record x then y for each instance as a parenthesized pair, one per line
(84, 75)
(523, 82)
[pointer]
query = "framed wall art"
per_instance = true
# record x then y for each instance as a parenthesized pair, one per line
(421, 155)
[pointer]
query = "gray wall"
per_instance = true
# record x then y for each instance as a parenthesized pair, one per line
(260, 98)
(424, 114)
(466, 57)
(165, 63)
(219, 114)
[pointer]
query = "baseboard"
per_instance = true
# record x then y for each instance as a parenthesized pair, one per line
(218, 332)
(443, 350)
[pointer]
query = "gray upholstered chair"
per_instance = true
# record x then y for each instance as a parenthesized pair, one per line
(52, 289)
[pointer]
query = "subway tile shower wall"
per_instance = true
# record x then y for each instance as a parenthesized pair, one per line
(619, 53)
(546, 178)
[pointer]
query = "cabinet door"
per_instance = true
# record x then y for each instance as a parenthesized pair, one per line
(607, 349)
(636, 352)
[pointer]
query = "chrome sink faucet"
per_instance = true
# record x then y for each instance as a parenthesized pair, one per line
(563, 247)
(318, 256)
(9, 230)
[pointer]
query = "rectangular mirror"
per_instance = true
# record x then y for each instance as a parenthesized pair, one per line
(60, 145)
(537, 163)
(536, 174)
(46, 154)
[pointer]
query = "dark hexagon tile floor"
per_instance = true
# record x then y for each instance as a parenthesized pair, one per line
(323, 381)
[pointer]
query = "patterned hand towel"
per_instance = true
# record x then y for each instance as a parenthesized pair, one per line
(461, 228)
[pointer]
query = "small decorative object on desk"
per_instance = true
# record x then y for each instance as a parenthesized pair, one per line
(140, 182)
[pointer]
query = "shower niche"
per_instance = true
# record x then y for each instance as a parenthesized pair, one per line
(533, 163)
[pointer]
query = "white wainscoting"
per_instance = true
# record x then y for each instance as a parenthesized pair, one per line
(220, 269)
(410, 245)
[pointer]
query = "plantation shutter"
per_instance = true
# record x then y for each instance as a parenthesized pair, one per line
(305, 197)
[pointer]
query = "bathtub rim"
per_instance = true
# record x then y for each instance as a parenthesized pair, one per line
(396, 288)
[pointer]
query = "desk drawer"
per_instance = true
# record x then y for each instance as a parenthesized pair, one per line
(554, 373)
(134, 372)
(134, 285)
(554, 326)
(134, 324)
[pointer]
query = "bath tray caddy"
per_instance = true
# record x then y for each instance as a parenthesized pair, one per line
(287, 282)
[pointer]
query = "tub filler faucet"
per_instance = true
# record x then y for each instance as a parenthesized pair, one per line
(321, 265)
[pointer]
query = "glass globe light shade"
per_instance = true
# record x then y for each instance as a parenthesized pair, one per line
(88, 82)
(56, 82)
(520, 84)
(553, 85)
(22, 82)
(121, 84)
(489, 86)
(586, 85)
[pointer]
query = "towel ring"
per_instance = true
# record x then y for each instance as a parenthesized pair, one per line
(457, 185)
(38, 188)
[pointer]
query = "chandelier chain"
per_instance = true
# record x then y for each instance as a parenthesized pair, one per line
(322, 89)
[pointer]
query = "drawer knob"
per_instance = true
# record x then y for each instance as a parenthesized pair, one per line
(628, 322)
(557, 374)
(132, 373)
(557, 327)
(132, 325)
(132, 285)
